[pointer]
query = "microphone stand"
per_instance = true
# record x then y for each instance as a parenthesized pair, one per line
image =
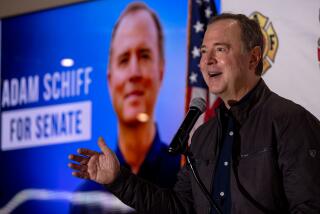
(196, 176)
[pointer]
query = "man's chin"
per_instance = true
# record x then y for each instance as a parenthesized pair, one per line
(133, 123)
(215, 90)
(136, 119)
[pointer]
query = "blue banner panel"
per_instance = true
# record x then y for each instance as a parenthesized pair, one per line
(55, 97)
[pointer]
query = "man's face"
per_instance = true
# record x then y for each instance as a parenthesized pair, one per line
(136, 71)
(224, 62)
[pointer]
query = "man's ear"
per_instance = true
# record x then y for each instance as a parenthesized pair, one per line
(161, 70)
(256, 55)
(109, 73)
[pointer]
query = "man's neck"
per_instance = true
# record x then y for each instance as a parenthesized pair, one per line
(135, 142)
(238, 94)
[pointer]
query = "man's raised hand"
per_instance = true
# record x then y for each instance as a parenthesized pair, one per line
(102, 167)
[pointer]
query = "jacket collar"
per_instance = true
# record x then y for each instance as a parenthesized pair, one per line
(241, 110)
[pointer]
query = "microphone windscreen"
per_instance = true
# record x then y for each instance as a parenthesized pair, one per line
(199, 103)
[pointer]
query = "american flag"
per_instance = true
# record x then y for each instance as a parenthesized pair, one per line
(200, 11)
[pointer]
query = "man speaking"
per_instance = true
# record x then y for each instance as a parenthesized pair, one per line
(260, 154)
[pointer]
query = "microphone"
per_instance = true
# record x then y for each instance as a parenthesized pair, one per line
(179, 142)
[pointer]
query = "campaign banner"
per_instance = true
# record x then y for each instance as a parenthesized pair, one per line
(56, 98)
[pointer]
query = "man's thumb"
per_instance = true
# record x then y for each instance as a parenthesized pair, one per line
(103, 146)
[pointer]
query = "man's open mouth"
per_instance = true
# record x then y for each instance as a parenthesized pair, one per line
(135, 93)
(214, 74)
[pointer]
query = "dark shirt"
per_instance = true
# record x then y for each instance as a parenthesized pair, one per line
(221, 184)
(159, 167)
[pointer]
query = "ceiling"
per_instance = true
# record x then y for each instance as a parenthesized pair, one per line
(17, 7)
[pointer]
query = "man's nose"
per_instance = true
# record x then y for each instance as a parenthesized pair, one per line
(134, 68)
(211, 58)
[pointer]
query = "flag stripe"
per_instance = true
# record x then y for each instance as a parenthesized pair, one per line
(200, 11)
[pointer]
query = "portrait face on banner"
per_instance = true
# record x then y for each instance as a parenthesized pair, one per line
(136, 68)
